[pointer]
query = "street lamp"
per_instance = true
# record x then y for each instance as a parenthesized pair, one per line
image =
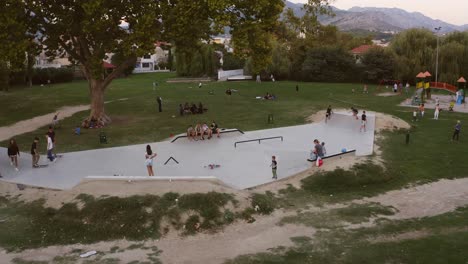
(437, 29)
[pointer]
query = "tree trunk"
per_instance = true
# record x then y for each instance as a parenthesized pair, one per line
(96, 90)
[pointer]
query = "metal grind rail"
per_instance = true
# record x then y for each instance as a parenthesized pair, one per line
(258, 139)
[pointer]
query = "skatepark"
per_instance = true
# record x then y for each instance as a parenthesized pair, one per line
(243, 159)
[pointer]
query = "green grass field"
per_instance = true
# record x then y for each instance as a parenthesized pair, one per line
(429, 156)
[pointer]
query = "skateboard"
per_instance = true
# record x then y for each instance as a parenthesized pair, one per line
(212, 166)
(40, 166)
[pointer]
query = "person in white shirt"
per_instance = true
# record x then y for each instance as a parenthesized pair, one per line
(50, 148)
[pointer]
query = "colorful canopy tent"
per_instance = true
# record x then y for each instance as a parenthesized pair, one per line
(461, 80)
(427, 74)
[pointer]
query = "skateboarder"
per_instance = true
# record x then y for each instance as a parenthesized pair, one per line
(35, 153)
(456, 133)
(274, 167)
(363, 121)
(13, 153)
(328, 114)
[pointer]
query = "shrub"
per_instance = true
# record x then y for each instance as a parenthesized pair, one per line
(55, 75)
(264, 203)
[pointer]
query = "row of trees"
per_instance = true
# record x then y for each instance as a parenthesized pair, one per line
(85, 31)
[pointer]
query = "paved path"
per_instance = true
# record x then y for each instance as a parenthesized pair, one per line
(246, 166)
(37, 122)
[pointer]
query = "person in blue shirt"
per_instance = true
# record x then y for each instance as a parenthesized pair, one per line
(456, 133)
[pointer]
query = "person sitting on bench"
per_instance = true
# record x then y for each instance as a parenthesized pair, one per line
(214, 128)
(206, 130)
(199, 132)
(190, 133)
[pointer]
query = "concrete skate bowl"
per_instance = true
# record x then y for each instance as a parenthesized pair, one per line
(218, 160)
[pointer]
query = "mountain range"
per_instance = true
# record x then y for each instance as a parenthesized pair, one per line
(379, 19)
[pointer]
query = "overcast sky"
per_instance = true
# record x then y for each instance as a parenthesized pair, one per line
(451, 11)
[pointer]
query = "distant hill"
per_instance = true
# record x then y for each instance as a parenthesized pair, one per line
(379, 19)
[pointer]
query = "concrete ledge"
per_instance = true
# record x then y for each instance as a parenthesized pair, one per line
(334, 155)
(153, 178)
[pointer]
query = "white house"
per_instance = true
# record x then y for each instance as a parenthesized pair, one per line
(150, 62)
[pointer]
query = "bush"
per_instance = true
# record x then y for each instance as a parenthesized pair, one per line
(358, 179)
(264, 203)
(55, 75)
(192, 224)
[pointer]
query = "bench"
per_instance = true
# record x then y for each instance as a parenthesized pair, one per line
(223, 130)
(334, 155)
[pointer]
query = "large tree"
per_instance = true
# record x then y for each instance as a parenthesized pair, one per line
(86, 31)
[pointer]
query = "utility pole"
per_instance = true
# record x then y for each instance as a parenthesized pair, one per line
(437, 29)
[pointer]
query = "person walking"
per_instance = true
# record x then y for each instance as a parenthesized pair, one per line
(274, 167)
(436, 112)
(50, 148)
(149, 156)
(297, 88)
(363, 121)
(35, 153)
(456, 133)
(51, 134)
(159, 99)
(13, 153)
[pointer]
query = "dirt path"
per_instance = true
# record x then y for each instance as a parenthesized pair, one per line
(37, 122)
(242, 238)
(425, 200)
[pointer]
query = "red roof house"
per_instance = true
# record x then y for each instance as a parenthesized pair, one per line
(361, 49)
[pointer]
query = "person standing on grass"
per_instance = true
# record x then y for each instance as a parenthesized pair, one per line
(50, 148)
(365, 89)
(297, 88)
(149, 156)
(159, 99)
(35, 153)
(274, 167)
(456, 133)
(421, 110)
(363, 121)
(436, 112)
(13, 153)
(407, 87)
(415, 115)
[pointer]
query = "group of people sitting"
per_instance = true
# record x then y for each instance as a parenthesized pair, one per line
(193, 109)
(201, 130)
(269, 96)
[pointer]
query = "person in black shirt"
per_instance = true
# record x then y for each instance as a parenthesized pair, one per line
(159, 100)
(13, 153)
(214, 128)
(274, 166)
(35, 153)
(363, 121)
